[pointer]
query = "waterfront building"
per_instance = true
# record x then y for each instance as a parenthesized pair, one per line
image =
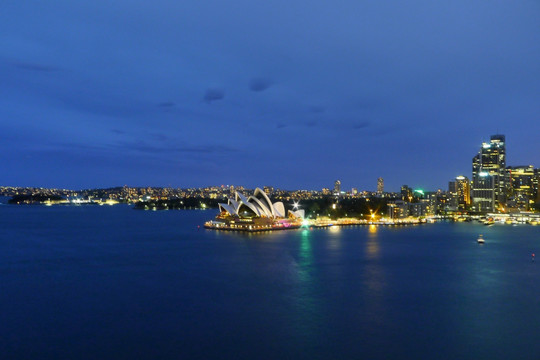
(483, 192)
(254, 213)
(523, 189)
(398, 209)
(380, 186)
(431, 200)
(491, 160)
(418, 209)
(463, 192)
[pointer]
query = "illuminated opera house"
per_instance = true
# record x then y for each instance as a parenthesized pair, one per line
(255, 213)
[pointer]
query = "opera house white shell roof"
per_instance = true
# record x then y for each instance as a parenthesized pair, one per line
(258, 204)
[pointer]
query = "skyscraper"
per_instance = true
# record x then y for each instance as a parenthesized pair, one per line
(337, 187)
(463, 192)
(452, 196)
(380, 186)
(483, 192)
(489, 168)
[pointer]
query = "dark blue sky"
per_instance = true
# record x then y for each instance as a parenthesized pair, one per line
(291, 93)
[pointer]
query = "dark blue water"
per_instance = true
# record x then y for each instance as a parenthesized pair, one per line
(101, 282)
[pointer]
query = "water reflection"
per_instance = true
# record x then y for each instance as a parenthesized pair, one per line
(306, 302)
(243, 235)
(335, 229)
(372, 244)
(334, 241)
(375, 279)
(305, 257)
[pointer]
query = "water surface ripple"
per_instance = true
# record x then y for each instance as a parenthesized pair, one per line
(100, 282)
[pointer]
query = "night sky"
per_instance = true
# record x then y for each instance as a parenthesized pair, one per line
(294, 94)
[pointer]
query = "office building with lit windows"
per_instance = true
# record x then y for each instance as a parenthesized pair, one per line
(489, 175)
(483, 192)
(523, 189)
(380, 186)
(463, 192)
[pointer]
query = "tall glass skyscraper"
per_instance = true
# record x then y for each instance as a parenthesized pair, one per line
(489, 175)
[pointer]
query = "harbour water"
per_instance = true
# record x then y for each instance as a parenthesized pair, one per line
(110, 282)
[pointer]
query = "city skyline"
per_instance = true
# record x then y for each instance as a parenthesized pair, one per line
(190, 95)
(477, 167)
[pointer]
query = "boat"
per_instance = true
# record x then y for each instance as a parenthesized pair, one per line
(480, 239)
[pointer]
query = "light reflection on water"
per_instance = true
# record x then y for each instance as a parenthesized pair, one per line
(306, 302)
(372, 242)
(374, 280)
(334, 238)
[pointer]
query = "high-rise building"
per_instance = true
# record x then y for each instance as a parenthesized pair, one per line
(452, 203)
(523, 189)
(536, 184)
(490, 160)
(337, 187)
(483, 192)
(463, 192)
(380, 186)
(452, 187)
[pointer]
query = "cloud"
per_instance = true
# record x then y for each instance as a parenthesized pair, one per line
(198, 149)
(361, 125)
(159, 137)
(317, 109)
(259, 84)
(34, 66)
(213, 94)
(148, 148)
(166, 104)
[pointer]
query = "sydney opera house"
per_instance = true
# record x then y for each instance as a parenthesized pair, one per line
(255, 213)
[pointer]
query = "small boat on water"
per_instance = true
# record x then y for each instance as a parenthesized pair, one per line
(480, 239)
